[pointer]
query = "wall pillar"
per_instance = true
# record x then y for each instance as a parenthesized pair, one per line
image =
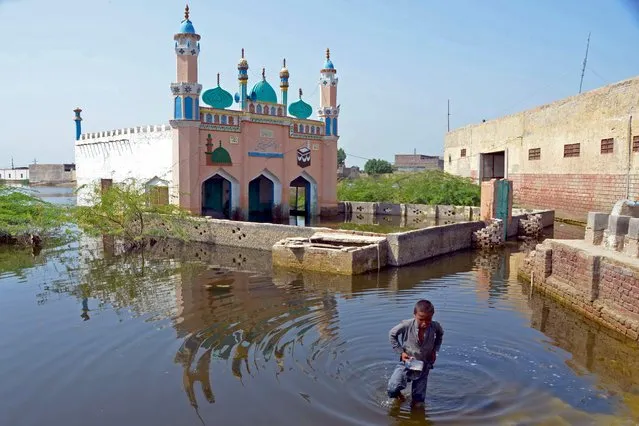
(491, 197)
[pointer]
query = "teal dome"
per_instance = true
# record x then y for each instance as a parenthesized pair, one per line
(300, 109)
(262, 91)
(187, 27)
(217, 98)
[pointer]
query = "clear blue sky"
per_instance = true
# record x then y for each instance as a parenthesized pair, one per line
(398, 62)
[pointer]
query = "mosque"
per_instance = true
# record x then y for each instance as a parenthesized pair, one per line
(251, 162)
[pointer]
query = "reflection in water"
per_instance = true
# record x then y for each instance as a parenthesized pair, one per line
(215, 334)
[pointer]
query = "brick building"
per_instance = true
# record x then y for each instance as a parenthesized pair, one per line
(417, 162)
(575, 155)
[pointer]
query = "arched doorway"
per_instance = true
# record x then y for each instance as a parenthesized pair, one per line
(302, 200)
(217, 197)
(299, 197)
(261, 199)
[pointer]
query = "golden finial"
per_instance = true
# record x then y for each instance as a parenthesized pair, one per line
(328, 53)
(284, 63)
(242, 52)
(218, 78)
(263, 73)
(186, 13)
(300, 93)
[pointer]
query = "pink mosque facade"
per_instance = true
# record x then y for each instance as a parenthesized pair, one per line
(250, 162)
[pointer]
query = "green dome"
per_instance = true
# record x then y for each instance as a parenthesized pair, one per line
(262, 91)
(221, 156)
(300, 109)
(217, 98)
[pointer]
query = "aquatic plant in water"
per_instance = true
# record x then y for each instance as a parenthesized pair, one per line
(25, 218)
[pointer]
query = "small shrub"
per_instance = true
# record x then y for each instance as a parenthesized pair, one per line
(429, 187)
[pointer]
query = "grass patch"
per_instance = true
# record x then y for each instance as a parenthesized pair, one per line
(428, 187)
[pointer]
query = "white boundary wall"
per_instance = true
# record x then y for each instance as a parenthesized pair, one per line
(143, 153)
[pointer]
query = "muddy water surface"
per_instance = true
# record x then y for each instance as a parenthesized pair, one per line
(196, 334)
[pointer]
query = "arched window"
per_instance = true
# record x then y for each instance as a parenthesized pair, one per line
(272, 110)
(251, 108)
(335, 126)
(197, 109)
(328, 125)
(224, 119)
(209, 118)
(317, 130)
(177, 114)
(312, 130)
(216, 118)
(306, 129)
(259, 109)
(279, 111)
(231, 120)
(188, 108)
(295, 127)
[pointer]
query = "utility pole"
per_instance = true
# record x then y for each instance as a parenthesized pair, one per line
(448, 116)
(583, 69)
(12, 164)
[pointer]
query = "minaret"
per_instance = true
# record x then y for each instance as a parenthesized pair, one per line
(78, 123)
(329, 110)
(242, 68)
(185, 189)
(284, 84)
(186, 90)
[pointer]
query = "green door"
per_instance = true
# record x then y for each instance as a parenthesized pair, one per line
(213, 199)
(503, 193)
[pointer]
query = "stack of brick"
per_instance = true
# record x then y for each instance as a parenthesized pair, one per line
(491, 236)
(595, 227)
(531, 226)
(614, 235)
(631, 242)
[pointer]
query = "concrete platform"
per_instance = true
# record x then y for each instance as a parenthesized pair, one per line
(345, 254)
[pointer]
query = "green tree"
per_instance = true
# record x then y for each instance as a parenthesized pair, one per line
(377, 166)
(341, 157)
(124, 211)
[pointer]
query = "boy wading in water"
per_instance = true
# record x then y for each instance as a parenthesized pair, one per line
(421, 338)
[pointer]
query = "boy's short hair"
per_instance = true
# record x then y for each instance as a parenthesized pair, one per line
(424, 306)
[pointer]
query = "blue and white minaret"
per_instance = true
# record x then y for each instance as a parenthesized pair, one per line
(329, 110)
(186, 90)
(284, 84)
(242, 76)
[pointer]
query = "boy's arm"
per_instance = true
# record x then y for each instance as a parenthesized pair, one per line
(439, 336)
(395, 332)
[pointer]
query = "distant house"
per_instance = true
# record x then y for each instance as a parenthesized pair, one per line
(51, 173)
(417, 162)
(344, 172)
(14, 174)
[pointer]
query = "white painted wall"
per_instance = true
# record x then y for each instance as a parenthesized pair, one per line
(14, 174)
(142, 153)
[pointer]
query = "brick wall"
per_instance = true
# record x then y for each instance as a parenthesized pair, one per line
(619, 286)
(572, 196)
(599, 286)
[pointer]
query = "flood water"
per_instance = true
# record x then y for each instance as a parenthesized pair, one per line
(194, 334)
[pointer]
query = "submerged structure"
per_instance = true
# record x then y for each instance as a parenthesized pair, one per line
(222, 162)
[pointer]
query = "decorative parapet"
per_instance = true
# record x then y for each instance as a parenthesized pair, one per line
(124, 131)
